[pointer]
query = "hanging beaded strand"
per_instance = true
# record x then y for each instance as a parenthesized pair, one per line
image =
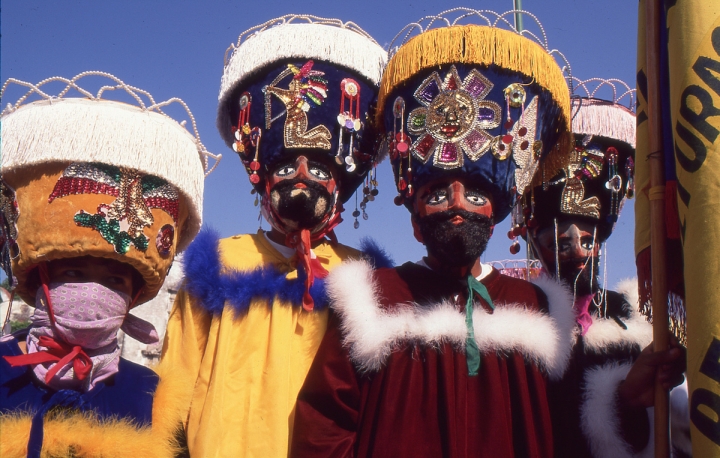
(356, 213)
(242, 130)
(399, 149)
(630, 177)
(516, 230)
(349, 120)
(614, 184)
(255, 136)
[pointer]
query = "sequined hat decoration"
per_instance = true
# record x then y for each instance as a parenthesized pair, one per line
(480, 101)
(599, 175)
(301, 84)
(115, 178)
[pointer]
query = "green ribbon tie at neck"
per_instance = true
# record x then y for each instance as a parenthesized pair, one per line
(472, 353)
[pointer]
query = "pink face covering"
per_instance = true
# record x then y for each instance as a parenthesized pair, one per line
(86, 315)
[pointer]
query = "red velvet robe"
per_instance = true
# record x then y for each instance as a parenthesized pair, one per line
(391, 379)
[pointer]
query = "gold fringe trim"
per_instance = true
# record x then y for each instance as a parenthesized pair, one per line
(473, 44)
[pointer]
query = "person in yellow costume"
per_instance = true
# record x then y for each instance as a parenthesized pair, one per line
(245, 327)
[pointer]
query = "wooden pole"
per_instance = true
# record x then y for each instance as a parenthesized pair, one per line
(661, 333)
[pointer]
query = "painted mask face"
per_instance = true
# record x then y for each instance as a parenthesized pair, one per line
(302, 193)
(454, 221)
(577, 252)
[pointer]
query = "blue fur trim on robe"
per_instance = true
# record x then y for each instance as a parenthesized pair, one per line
(204, 280)
(375, 254)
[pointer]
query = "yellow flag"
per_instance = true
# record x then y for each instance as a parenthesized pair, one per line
(693, 42)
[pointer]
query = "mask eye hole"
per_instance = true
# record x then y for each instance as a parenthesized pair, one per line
(587, 243)
(437, 197)
(319, 172)
(285, 170)
(476, 198)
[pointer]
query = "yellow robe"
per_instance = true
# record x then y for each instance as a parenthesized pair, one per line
(247, 369)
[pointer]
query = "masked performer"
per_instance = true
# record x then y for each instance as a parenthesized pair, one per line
(446, 356)
(246, 326)
(599, 407)
(105, 194)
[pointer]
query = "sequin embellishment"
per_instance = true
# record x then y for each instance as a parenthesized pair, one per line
(121, 222)
(572, 199)
(307, 88)
(453, 119)
(523, 146)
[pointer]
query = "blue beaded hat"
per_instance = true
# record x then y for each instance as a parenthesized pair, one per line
(472, 100)
(301, 84)
(599, 174)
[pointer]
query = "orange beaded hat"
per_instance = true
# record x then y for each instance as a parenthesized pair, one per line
(89, 176)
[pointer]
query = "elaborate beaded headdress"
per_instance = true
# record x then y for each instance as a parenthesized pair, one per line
(301, 84)
(599, 174)
(92, 176)
(482, 101)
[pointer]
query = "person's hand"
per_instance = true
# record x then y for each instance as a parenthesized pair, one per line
(638, 388)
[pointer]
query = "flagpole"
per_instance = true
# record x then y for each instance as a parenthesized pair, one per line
(661, 333)
(517, 6)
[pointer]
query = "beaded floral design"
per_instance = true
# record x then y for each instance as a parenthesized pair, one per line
(8, 230)
(453, 118)
(307, 88)
(121, 222)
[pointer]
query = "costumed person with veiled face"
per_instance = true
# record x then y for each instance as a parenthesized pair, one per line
(98, 197)
(246, 325)
(446, 356)
(599, 407)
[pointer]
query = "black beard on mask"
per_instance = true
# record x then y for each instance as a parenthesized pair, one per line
(455, 245)
(569, 272)
(301, 208)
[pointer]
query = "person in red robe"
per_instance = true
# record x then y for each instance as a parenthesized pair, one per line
(446, 356)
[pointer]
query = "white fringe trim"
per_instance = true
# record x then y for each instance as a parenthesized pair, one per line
(338, 45)
(81, 130)
(603, 119)
(598, 417)
(372, 333)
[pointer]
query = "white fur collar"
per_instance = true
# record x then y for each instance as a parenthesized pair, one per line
(605, 332)
(372, 333)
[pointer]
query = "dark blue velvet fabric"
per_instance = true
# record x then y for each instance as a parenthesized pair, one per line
(129, 394)
(272, 145)
(495, 176)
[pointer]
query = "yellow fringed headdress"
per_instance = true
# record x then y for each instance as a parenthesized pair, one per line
(515, 97)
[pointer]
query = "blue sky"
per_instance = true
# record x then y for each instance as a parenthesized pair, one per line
(175, 49)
